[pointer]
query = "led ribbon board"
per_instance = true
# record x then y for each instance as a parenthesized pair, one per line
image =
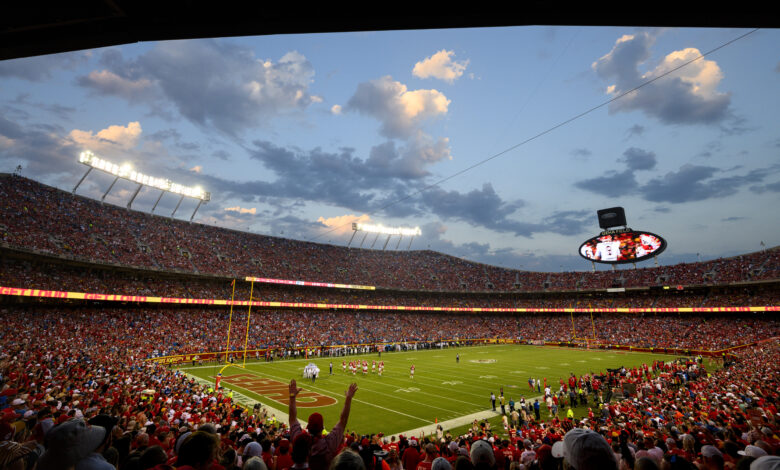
(308, 283)
(50, 294)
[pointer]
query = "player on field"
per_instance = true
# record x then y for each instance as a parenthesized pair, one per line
(373, 366)
(344, 366)
(365, 367)
(411, 372)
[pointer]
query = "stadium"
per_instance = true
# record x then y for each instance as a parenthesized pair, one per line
(133, 340)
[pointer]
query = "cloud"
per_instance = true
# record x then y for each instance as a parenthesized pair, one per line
(402, 114)
(40, 149)
(407, 161)
(638, 159)
(635, 131)
(196, 169)
(772, 187)
(581, 153)
(105, 82)
(612, 184)
(400, 110)
(484, 208)
(343, 223)
(732, 219)
(440, 65)
(212, 83)
(687, 96)
(620, 183)
(109, 140)
(335, 109)
(242, 210)
(221, 155)
(63, 113)
(41, 68)
(338, 178)
(696, 183)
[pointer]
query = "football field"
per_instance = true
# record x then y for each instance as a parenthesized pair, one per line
(441, 390)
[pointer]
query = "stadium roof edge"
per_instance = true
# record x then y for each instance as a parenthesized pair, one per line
(30, 29)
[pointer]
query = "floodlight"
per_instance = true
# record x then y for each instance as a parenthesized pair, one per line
(125, 171)
(380, 229)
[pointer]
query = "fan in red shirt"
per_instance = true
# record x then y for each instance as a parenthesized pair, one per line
(430, 454)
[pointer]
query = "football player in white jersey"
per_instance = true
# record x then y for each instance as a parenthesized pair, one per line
(607, 250)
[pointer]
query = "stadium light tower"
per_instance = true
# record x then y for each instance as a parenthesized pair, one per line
(127, 172)
(380, 229)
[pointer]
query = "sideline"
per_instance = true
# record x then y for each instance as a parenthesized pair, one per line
(455, 422)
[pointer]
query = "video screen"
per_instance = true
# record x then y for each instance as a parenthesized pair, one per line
(626, 247)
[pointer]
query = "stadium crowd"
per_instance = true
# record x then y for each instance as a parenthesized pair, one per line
(62, 366)
(47, 220)
(295, 330)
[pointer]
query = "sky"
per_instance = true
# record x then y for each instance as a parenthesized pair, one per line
(499, 143)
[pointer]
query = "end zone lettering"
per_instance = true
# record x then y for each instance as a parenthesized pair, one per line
(278, 392)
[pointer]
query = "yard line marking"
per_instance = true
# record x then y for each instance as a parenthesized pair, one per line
(405, 382)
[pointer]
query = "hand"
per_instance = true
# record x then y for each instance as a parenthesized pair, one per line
(294, 390)
(351, 391)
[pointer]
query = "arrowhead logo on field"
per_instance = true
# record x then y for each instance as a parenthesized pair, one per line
(488, 376)
(452, 382)
(408, 390)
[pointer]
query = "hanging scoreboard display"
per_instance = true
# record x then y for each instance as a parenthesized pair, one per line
(622, 246)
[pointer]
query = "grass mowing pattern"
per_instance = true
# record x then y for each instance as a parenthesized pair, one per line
(441, 388)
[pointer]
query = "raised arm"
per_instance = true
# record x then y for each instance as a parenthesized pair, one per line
(293, 411)
(347, 404)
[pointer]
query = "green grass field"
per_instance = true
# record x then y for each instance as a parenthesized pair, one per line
(441, 389)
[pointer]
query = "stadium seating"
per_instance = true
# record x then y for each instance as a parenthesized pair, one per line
(47, 220)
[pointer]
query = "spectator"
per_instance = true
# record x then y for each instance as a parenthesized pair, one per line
(323, 449)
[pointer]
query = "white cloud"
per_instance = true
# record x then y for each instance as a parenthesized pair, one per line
(440, 65)
(242, 210)
(196, 169)
(335, 109)
(109, 140)
(688, 95)
(401, 111)
(343, 223)
(703, 75)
